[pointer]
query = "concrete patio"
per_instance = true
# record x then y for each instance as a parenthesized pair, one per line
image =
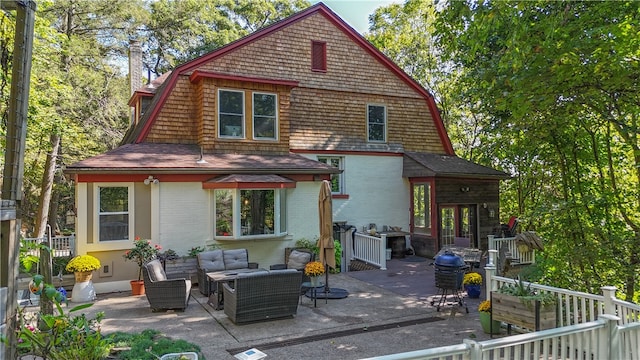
(386, 312)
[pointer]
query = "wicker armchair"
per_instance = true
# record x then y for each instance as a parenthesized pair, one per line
(163, 293)
(262, 296)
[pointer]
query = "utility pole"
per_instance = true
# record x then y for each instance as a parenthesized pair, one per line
(11, 197)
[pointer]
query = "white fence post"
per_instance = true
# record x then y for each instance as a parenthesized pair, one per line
(383, 252)
(610, 344)
(609, 293)
(490, 272)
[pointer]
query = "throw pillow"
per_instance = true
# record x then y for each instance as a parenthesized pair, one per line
(298, 259)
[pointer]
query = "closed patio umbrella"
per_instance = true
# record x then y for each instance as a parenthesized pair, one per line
(325, 243)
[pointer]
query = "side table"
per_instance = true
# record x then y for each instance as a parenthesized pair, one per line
(314, 291)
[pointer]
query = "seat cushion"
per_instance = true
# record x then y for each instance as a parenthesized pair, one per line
(156, 272)
(298, 259)
(211, 260)
(236, 259)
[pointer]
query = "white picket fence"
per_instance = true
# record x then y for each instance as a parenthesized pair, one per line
(517, 257)
(60, 245)
(370, 249)
(589, 327)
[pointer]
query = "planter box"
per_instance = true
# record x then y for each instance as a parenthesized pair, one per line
(185, 267)
(513, 311)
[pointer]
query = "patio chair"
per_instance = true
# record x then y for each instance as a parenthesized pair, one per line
(164, 293)
(509, 229)
(296, 259)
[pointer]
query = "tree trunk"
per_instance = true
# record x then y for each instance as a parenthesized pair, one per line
(46, 305)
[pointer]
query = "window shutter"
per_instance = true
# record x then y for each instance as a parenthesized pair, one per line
(318, 56)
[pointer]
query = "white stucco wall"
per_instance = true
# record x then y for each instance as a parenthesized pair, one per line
(185, 214)
(377, 192)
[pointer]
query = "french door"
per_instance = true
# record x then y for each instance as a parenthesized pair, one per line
(458, 222)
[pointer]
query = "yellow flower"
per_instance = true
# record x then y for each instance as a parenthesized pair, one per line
(472, 278)
(83, 263)
(485, 306)
(314, 268)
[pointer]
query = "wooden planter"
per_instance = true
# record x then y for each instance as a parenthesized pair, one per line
(513, 311)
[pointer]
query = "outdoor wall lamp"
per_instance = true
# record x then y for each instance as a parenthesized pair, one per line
(492, 213)
(465, 189)
(151, 180)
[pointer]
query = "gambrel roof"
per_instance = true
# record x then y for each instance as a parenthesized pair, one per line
(140, 132)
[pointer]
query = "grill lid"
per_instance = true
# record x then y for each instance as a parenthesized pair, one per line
(449, 259)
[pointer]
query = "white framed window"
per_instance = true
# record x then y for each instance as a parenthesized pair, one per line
(113, 215)
(249, 213)
(337, 180)
(376, 123)
(231, 113)
(265, 118)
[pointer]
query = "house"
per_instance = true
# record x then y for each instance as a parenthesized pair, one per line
(230, 149)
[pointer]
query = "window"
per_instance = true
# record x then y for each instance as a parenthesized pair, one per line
(337, 183)
(113, 213)
(264, 116)
(318, 56)
(376, 123)
(422, 208)
(231, 113)
(249, 213)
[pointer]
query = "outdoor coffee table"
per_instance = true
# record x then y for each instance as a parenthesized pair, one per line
(216, 294)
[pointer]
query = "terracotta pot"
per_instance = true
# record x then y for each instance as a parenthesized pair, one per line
(137, 287)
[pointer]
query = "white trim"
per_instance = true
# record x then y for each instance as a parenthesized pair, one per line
(155, 212)
(237, 223)
(98, 245)
(386, 123)
(242, 136)
(253, 117)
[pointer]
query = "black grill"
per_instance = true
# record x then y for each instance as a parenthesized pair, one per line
(449, 272)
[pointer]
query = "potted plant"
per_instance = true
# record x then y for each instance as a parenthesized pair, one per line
(141, 253)
(472, 284)
(488, 325)
(518, 304)
(314, 269)
(83, 266)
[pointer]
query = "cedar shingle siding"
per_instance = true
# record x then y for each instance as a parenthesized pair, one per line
(326, 111)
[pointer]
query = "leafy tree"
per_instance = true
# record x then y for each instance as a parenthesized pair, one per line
(558, 83)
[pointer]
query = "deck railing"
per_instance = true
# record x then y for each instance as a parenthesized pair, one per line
(589, 327)
(60, 245)
(370, 249)
(517, 256)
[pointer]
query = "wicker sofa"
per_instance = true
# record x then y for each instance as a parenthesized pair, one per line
(164, 293)
(223, 261)
(262, 296)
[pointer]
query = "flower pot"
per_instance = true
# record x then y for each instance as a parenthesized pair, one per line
(83, 290)
(473, 290)
(137, 287)
(485, 321)
(315, 281)
(82, 276)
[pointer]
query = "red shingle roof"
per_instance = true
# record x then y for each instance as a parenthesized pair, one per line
(180, 158)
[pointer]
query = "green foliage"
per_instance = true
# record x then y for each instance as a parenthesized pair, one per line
(308, 244)
(196, 250)
(564, 74)
(141, 253)
(338, 250)
(526, 294)
(149, 344)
